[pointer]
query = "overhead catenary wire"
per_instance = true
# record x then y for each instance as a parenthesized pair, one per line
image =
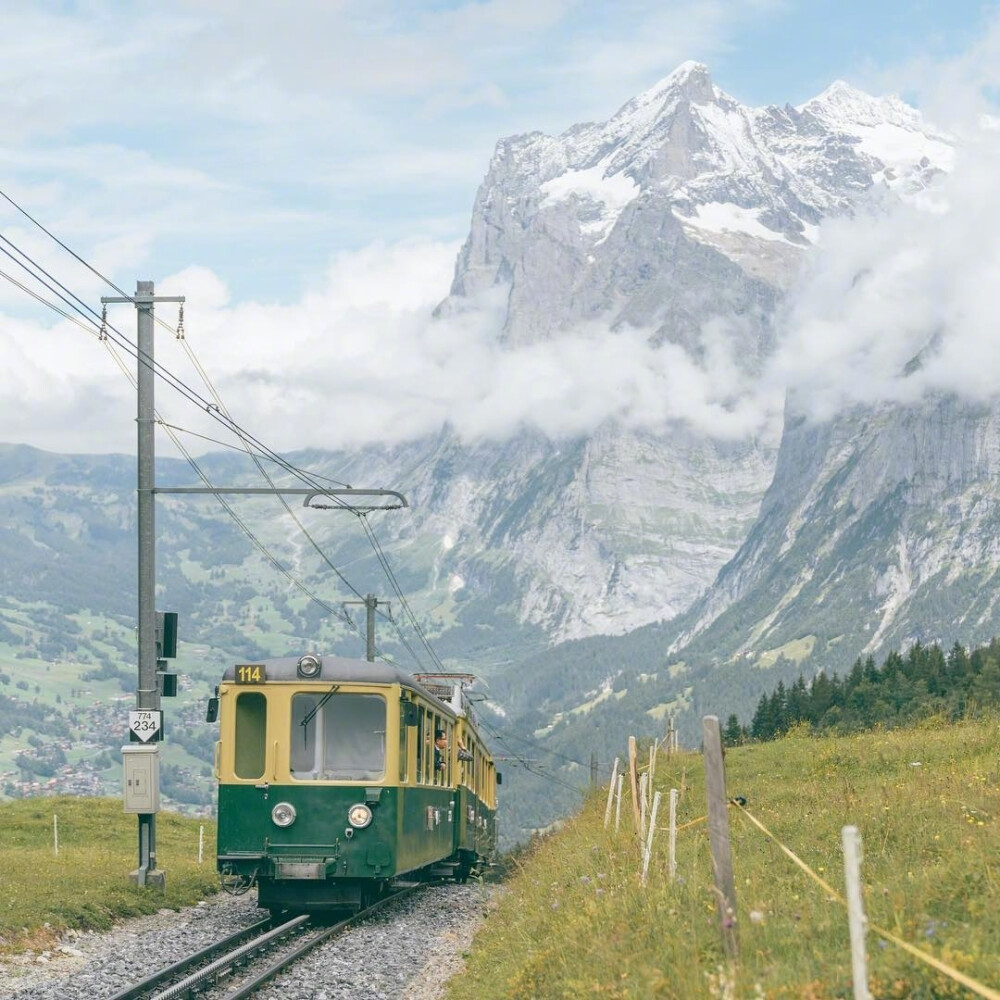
(214, 409)
(501, 738)
(239, 521)
(394, 583)
(219, 412)
(75, 303)
(95, 331)
(260, 468)
(210, 386)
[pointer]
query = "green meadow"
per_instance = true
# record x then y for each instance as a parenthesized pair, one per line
(86, 885)
(574, 921)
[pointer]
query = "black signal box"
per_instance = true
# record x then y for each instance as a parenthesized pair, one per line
(166, 635)
(168, 684)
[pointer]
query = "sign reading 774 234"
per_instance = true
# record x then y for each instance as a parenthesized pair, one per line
(145, 723)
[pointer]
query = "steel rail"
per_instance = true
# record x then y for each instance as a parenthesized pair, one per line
(172, 971)
(238, 947)
(251, 986)
(186, 986)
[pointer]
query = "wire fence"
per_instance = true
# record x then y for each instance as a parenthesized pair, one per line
(636, 781)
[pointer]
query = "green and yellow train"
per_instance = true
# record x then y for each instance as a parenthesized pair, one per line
(331, 784)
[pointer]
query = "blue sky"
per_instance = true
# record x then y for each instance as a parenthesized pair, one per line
(257, 152)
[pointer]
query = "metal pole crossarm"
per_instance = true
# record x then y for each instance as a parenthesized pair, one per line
(371, 602)
(309, 495)
(141, 300)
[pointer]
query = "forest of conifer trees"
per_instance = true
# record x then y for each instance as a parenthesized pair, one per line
(924, 682)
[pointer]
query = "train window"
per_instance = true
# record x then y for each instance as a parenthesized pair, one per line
(339, 737)
(251, 735)
(437, 774)
(442, 753)
(404, 764)
(421, 754)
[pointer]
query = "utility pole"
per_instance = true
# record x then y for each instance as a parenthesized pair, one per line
(141, 759)
(371, 602)
(147, 696)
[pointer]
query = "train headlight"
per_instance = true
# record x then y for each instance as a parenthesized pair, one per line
(359, 816)
(283, 814)
(309, 666)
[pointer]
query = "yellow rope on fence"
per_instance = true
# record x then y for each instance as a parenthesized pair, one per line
(947, 970)
(787, 850)
(693, 822)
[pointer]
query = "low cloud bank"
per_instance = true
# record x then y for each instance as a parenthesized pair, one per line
(894, 304)
(902, 302)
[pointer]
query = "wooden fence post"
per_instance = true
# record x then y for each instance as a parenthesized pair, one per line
(649, 838)
(611, 793)
(618, 807)
(633, 781)
(643, 784)
(857, 922)
(718, 834)
(201, 843)
(672, 856)
(652, 761)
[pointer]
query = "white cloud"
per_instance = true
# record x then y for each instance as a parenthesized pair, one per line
(910, 282)
(362, 360)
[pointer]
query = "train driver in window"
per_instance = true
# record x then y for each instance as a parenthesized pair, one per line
(440, 750)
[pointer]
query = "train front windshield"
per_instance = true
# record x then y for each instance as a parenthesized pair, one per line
(338, 737)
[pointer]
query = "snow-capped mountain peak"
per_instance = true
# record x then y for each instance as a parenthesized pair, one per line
(752, 184)
(690, 81)
(909, 152)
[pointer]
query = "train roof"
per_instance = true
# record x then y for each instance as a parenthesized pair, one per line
(338, 669)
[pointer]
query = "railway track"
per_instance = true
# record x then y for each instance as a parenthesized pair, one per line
(233, 957)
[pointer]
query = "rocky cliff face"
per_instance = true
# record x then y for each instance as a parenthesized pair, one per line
(594, 536)
(880, 529)
(684, 213)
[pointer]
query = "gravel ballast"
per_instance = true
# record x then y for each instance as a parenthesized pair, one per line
(408, 950)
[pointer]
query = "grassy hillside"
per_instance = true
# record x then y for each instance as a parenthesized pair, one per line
(87, 885)
(575, 922)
